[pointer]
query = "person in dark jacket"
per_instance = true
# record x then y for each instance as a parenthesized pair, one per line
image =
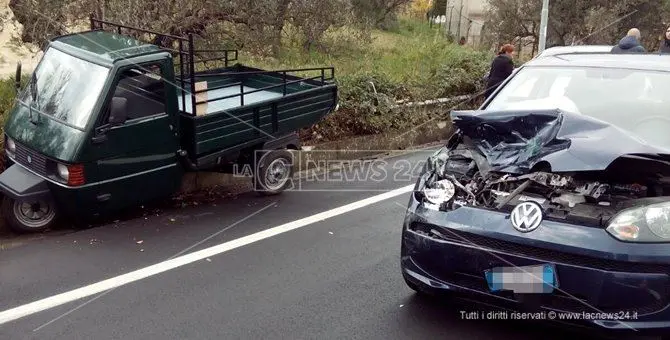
(630, 43)
(501, 68)
(665, 45)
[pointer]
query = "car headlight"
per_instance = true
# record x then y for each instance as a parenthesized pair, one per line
(63, 172)
(440, 192)
(11, 145)
(644, 224)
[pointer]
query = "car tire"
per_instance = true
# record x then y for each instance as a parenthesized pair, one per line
(273, 172)
(28, 217)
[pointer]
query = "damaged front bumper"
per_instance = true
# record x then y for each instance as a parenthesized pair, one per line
(451, 250)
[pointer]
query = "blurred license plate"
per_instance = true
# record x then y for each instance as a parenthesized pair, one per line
(522, 280)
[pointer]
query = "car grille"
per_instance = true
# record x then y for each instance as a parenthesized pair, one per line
(31, 159)
(542, 254)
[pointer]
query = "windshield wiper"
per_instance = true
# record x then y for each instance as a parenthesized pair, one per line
(33, 97)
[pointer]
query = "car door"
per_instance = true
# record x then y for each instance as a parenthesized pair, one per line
(137, 159)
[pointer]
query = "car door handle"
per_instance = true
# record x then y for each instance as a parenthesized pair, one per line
(98, 139)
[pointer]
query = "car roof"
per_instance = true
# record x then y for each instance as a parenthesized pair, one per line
(575, 49)
(107, 47)
(637, 61)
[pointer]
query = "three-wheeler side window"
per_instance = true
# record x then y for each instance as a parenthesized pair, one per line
(144, 89)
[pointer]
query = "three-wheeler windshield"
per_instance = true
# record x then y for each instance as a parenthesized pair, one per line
(65, 88)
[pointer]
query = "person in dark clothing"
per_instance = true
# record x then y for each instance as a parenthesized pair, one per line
(630, 43)
(665, 45)
(501, 68)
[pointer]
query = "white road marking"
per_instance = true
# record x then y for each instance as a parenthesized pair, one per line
(98, 287)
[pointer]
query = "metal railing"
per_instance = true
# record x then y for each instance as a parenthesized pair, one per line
(284, 83)
(188, 58)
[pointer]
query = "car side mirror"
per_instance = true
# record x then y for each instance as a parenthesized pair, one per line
(17, 78)
(118, 113)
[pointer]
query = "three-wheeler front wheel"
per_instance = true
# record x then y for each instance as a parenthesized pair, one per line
(273, 172)
(28, 216)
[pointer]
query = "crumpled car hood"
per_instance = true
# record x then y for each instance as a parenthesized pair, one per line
(515, 141)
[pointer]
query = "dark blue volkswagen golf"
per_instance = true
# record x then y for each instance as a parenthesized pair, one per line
(554, 197)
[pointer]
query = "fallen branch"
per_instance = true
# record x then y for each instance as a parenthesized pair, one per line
(431, 102)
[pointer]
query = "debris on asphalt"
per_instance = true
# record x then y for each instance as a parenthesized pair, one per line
(208, 259)
(94, 240)
(141, 250)
(140, 242)
(401, 306)
(330, 232)
(172, 220)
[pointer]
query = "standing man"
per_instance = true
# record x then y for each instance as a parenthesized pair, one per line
(630, 43)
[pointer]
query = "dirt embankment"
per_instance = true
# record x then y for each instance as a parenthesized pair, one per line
(10, 52)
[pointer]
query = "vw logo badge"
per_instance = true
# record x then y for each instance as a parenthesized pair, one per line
(526, 216)
(30, 159)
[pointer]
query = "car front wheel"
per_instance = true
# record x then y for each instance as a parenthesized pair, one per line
(28, 216)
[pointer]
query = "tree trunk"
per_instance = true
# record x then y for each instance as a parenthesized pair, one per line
(278, 29)
(534, 43)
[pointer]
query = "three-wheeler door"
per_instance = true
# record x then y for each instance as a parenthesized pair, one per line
(136, 141)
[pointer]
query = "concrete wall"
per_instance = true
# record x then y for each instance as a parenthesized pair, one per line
(465, 18)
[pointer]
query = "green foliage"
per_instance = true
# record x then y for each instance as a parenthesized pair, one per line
(7, 95)
(412, 63)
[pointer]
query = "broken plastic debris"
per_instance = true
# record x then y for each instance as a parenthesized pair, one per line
(140, 242)
(401, 306)
(330, 232)
(141, 250)
(208, 259)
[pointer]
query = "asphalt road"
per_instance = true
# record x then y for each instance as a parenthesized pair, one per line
(335, 278)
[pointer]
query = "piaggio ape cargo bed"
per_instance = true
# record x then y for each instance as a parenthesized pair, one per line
(241, 106)
(230, 108)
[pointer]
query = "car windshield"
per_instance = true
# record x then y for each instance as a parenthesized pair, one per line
(633, 100)
(65, 87)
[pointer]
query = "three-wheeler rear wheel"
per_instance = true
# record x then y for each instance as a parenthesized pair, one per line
(27, 216)
(273, 172)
